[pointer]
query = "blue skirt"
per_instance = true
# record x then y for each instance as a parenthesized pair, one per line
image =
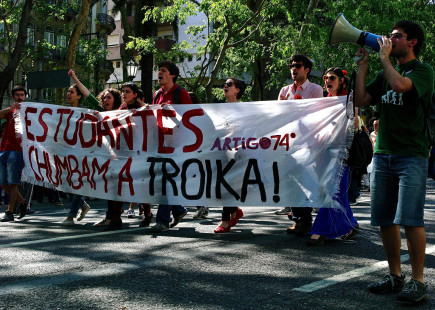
(335, 222)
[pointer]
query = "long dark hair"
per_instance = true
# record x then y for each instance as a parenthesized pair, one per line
(340, 73)
(240, 85)
(116, 96)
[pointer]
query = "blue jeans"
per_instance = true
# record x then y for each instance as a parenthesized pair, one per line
(77, 202)
(398, 190)
(164, 213)
(11, 165)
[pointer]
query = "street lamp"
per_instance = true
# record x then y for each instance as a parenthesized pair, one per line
(131, 69)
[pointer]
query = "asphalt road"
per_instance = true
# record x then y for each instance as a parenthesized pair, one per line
(257, 266)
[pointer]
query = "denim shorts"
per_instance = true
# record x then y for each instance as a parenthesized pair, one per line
(398, 190)
(11, 165)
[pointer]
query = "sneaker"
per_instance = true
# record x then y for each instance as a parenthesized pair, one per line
(389, 283)
(58, 203)
(30, 211)
(67, 222)
(177, 219)
(130, 214)
(8, 217)
(201, 213)
(159, 228)
(413, 292)
(83, 212)
(105, 223)
(283, 211)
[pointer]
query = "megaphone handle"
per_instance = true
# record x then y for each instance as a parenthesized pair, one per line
(368, 49)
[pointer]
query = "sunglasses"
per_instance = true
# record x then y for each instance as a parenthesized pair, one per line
(397, 35)
(297, 66)
(229, 84)
(329, 77)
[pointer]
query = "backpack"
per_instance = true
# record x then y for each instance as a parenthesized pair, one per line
(175, 97)
(361, 151)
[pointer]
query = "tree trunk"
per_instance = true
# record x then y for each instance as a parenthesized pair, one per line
(75, 35)
(7, 75)
(144, 31)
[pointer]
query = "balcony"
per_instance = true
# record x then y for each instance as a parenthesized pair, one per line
(106, 23)
(164, 44)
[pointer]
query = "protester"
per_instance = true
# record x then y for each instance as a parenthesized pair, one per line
(398, 179)
(301, 88)
(170, 93)
(74, 97)
(11, 157)
(108, 100)
(374, 133)
(233, 91)
(336, 221)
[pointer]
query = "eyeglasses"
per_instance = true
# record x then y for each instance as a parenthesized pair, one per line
(229, 84)
(397, 35)
(329, 77)
(297, 66)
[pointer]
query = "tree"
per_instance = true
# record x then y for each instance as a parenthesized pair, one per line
(7, 75)
(247, 38)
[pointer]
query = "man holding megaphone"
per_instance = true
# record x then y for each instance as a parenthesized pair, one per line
(398, 181)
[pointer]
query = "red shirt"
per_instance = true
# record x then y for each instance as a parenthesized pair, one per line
(10, 141)
(160, 96)
(342, 93)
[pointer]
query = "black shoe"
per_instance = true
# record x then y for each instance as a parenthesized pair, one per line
(146, 220)
(389, 283)
(294, 228)
(177, 219)
(114, 225)
(316, 242)
(413, 292)
(304, 229)
(23, 209)
(8, 217)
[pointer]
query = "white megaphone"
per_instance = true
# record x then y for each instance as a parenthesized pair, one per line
(343, 31)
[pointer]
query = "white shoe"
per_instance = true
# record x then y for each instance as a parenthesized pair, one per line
(67, 222)
(83, 212)
(130, 214)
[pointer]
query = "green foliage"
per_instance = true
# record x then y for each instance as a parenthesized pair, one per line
(286, 28)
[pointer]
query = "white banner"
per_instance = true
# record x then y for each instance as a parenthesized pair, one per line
(270, 153)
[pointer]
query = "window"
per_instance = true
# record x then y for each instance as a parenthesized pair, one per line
(198, 57)
(189, 57)
(113, 40)
(118, 64)
(49, 35)
(61, 39)
(30, 34)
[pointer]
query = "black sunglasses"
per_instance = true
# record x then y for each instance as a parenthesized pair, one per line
(229, 84)
(330, 77)
(297, 66)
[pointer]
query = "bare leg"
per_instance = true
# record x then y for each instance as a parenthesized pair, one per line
(391, 240)
(416, 240)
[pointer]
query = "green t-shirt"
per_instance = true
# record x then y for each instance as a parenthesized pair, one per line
(402, 129)
(92, 102)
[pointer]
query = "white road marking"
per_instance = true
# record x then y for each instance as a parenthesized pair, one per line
(19, 244)
(351, 274)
